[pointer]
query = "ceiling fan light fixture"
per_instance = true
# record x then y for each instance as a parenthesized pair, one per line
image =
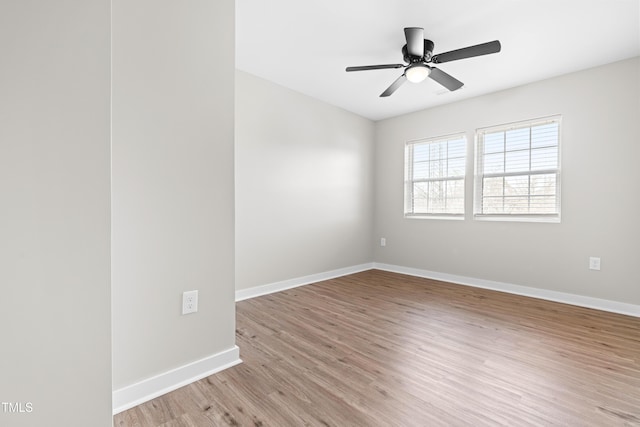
(416, 73)
(418, 52)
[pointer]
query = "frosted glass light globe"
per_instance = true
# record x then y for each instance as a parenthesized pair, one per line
(417, 72)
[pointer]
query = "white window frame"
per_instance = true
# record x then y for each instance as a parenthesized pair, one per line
(410, 179)
(479, 212)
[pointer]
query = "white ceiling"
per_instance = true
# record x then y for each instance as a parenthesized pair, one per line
(306, 45)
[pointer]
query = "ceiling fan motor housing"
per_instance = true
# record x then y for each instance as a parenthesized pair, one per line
(428, 51)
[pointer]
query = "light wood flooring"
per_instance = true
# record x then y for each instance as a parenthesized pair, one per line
(384, 349)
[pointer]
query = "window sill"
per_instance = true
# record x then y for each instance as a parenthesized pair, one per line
(519, 218)
(435, 216)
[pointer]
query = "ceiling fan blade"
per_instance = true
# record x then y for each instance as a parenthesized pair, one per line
(467, 52)
(445, 79)
(415, 41)
(374, 67)
(394, 86)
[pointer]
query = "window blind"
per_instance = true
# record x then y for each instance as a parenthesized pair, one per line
(434, 176)
(518, 171)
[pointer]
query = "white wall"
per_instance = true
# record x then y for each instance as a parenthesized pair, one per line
(55, 344)
(173, 191)
(304, 185)
(600, 191)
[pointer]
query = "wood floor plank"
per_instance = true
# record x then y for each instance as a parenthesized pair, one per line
(383, 349)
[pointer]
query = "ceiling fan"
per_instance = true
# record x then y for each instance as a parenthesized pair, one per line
(418, 53)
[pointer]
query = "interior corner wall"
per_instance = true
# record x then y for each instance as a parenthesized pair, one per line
(304, 185)
(172, 183)
(55, 345)
(600, 110)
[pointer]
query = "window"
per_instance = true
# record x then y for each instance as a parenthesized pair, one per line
(518, 171)
(434, 177)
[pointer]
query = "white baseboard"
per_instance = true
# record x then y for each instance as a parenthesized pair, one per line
(270, 288)
(150, 388)
(566, 298)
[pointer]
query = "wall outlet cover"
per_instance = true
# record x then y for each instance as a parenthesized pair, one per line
(189, 302)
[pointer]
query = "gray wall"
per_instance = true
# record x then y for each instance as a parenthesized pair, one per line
(55, 346)
(173, 191)
(600, 190)
(304, 185)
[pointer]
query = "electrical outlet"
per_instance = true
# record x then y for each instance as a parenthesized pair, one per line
(189, 302)
(383, 241)
(594, 263)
